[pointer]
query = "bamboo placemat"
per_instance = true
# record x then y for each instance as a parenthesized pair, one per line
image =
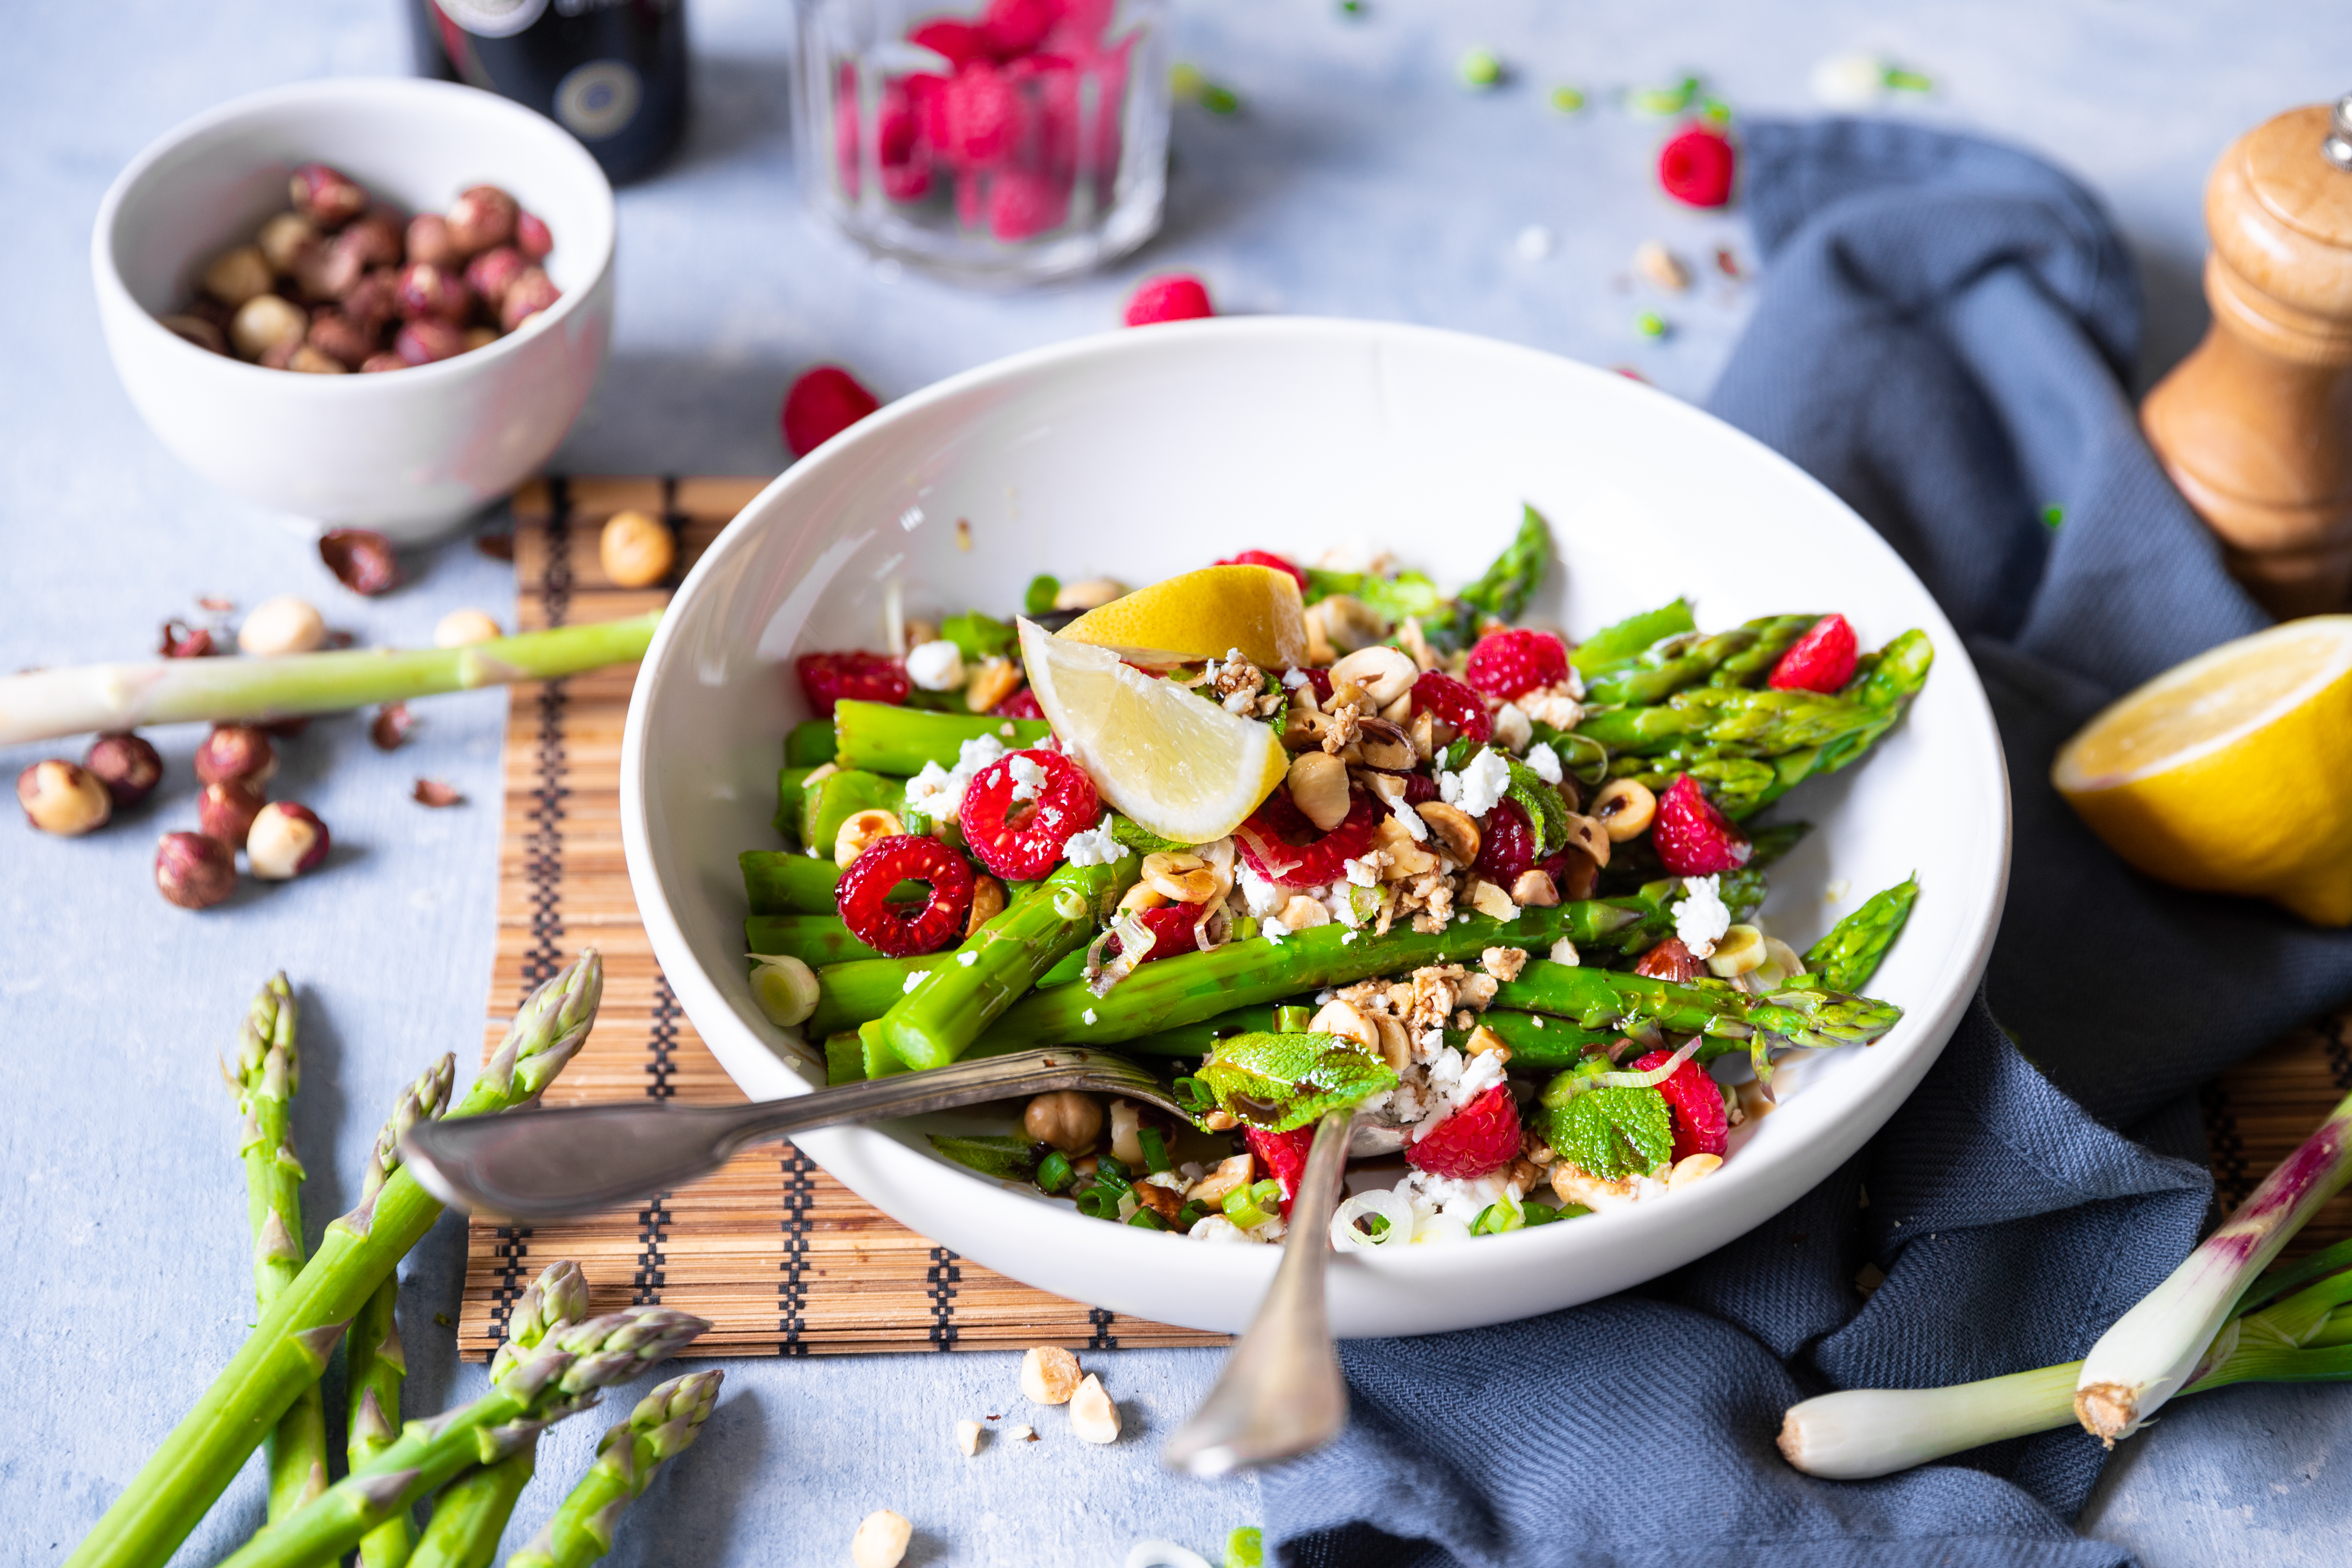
(782, 1258)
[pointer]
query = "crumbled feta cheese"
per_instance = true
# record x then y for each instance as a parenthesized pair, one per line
(1050, 815)
(936, 666)
(1478, 787)
(1564, 951)
(1028, 778)
(1273, 929)
(977, 754)
(1292, 679)
(1362, 873)
(1218, 1229)
(1485, 1071)
(1005, 729)
(1346, 937)
(1088, 1016)
(967, 958)
(1700, 917)
(935, 792)
(1409, 819)
(914, 980)
(1512, 731)
(1096, 847)
(1545, 763)
(1260, 897)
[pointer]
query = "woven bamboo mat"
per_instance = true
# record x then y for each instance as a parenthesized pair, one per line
(782, 1258)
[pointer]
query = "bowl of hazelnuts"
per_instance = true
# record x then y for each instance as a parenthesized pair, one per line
(372, 302)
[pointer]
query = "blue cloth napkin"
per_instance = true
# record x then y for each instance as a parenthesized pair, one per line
(1943, 339)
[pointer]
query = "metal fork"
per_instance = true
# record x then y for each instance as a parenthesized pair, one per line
(546, 1163)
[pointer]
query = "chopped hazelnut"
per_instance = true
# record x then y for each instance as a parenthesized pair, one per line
(1094, 1417)
(967, 1437)
(1049, 1374)
(881, 1541)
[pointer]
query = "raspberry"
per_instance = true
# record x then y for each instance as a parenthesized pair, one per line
(1015, 27)
(1691, 836)
(901, 931)
(1700, 1125)
(1453, 702)
(1178, 296)
(1021, 704)
(820, 405)
(1277, 840)
(827, 678)
(1508, 664)
(1480, 1137)
(1821, 660)
(1268, 558)
(1506, 846)
(1170, 926)
(1419, 787)
(983, 116)
(1022, 205)
(1320, 679)
(1670, 960)
(1022, 839)
(1283, 1155)
(1695, 167)
(959, 41)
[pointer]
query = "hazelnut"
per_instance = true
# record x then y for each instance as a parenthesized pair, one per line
(64, 798)
(376, 363)
(860, 831)
(328, 197)
(1090, 594)
(429, 241)
(987, 903)
(967, 1437)
(1452, 829)
(310, 362)
(278, 356)
(479, 338)
(285, 239)
(426, 291)
(480, 219)
(226, 811)
(1069, 1120)
(1625, 808)
(424, 340)
(1382, 673)
(373, 300)
(126, 764)
(1049, 1374)
(1126, 1123)
(236, 751)
(1318, 784)
(1577, 876)
(533, 238)
(531, 292)
(284, 841)
(266, 322)
(462, 628)
(376, 240)
(1094, 1419)
(193, 872)
(334, 269)
(197, 330)
(881, 1541)
(282, 624)
(1738, 951)
(1349, 1022)
(489, 274)
(340, 338)
(636, 551)
(239, 275)
(1535, 890)
(1179, 876)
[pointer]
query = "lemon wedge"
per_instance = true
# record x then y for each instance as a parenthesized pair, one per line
(2227, 773)
(1179, 765)
(1203, 614)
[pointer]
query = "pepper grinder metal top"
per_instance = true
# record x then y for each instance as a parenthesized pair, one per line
(2255, 426)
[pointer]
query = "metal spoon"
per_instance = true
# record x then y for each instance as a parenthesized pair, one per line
(1281, 1393)
(546, 1163)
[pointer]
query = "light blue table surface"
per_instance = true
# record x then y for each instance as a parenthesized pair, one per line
(1362, 180)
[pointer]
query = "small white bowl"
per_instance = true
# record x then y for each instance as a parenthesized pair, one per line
(408, 452)
(1146, 453)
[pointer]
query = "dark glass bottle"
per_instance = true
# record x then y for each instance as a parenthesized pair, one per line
(611, 72)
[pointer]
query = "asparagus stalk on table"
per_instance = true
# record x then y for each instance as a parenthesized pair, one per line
(663, 1425)
(561, 1377)
(266, 1074)
(289, 1345)
(47, 703)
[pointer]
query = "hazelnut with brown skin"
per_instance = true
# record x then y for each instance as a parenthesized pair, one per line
(236, 752)
(310, 362)
(480, 337)
(1068, 1119)
(480, 219)
(285, 841)
(237, 276)
(427, 291)
(429, 241)
(226, 811)
(64, 798)
(266, 322)
(374, 300)
(532, 292)
(335, 269)
(126, 764)
(193, 872)
(425, 341)
(377, 363)
(285, 239)
(326, 197)
(489, 274)
(340, 338)
(533, 238)
(197, 330)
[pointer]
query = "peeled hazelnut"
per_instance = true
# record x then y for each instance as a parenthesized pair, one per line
(193, 872)
(1625, 808)
(1049, 1374)
(282, 624)
(636, 550)
(328, 197)
(340, 339)
(1069, 1120)
(426, 291)
(1318, 787)
(479, 338)
(266, 322)
(64, 798)
(489, 274)
(310, 362)
(480, 219)
(374, 300)
(533, 238)
(197, 330)
(237, 275)
(424, 340)
(236, 751)
(531, 292)
(226, 811)
(881, 1541)
(285, 239)
(1126, 1125)
(376, 363)
(1094, 1419)
(462, 628)
(285, 841)
(429, 241)
(126, 764)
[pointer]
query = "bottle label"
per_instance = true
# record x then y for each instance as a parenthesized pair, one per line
(492, 18)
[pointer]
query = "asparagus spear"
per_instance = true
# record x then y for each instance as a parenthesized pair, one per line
(1602, 998)
(663, 1425)
(556, 1380)
(1768, 724)
(778, 884)
(266, 1074)
(880, 739)
(1774, 637)
(1669, 666)
(1629, 638)
(1846, 958)
(814, 940)
(282, 1356)
(1502, 591)
(50, 702)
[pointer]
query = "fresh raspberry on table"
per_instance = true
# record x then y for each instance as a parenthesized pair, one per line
(1170, 926)
(1481, 1137)
(1178, 296)
(1021, 704)
(1020, 829)
(830, 677)
(1508, 664)
(1696, 168)
(1669, 960)
(1821, 660)
(1282, 845)
(1453, 702)
(1693, 839)
(1700, 1125)
(902, 930)
(1268, 558)
(1283, 1156)
(1506, 844)
(820, 405)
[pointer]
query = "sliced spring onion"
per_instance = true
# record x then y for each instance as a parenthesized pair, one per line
(1388, 1217)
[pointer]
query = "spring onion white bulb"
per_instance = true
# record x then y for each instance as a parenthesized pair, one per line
(1386, 1202)
(1857, 1433)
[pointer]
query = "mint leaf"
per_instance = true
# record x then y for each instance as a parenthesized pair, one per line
(1281, 1081)
(1039, 598)
(976, 636)
(1613, 1134)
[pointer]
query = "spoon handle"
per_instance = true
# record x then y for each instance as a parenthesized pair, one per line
(1281, 1393)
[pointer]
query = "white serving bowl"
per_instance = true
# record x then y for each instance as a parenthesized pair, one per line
(1146, 453)
(408, 452)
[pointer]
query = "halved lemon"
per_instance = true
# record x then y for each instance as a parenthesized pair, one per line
(2229, 773)
(1203, 614)
(1179, 765)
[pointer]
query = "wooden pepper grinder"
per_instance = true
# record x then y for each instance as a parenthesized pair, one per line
(2255, 426)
